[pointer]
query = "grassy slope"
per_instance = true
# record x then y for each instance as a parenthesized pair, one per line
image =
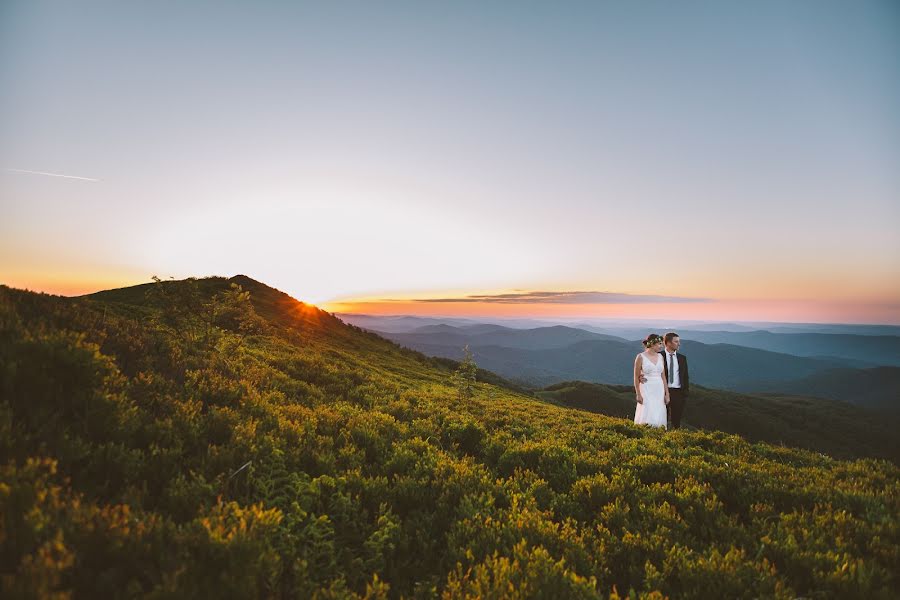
(368, 475)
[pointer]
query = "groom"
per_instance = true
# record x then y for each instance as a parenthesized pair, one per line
(676, 370)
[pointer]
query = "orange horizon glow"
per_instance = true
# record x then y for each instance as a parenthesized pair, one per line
(788, 311)
(64, 285)
(864, 311)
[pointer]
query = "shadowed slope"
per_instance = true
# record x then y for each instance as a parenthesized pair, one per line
(834, 427)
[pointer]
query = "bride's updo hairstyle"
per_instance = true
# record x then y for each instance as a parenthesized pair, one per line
(651, 339)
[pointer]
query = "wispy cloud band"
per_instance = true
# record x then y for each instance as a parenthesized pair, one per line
(575, 297)
(28, 172)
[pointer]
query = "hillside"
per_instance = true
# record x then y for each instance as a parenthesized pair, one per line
(836, 428)
(195, 439)
(877, 388)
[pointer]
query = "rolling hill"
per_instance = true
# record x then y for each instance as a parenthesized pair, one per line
(837, 428)
(217, 438)
(877, 388)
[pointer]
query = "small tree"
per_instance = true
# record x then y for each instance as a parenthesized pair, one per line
(181, 306)
(464, 376)
(231, 309)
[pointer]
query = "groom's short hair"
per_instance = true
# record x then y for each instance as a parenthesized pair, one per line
(671, 335)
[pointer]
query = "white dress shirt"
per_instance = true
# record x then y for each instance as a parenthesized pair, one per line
(676, 376)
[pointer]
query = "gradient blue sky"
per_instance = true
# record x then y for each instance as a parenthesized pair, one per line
(349, 151)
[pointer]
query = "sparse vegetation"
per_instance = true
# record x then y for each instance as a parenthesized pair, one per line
(464, 376)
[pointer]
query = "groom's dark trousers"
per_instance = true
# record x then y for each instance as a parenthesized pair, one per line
(678, 396)
(676, 406)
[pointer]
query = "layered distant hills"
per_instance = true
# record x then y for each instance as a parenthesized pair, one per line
(858, 368)
(867, 349)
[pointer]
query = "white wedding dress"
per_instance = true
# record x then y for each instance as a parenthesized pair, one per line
(653, 411)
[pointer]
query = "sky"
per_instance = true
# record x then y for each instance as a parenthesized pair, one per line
(697, 160)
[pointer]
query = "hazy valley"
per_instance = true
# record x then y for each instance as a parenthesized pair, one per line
(806, 363)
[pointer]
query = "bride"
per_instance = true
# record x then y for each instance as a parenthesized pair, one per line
(652, 396)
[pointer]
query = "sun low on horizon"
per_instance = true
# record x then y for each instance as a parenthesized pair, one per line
(592, 161)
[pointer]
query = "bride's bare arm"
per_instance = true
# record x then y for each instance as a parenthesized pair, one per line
(665, 385)
(637, 379)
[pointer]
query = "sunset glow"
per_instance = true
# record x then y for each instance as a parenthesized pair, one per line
(724, 310)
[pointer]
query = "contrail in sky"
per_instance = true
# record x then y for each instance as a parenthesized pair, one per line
(52, 174)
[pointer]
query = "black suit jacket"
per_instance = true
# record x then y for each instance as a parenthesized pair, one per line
(682, 370)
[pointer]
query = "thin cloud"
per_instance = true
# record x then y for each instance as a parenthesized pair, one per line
(564, 298)
(27, 172)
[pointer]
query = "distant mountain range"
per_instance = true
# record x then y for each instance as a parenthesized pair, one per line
(541, 338)
(870, 350)
(625, 328)
(830, 365)
(639, 331)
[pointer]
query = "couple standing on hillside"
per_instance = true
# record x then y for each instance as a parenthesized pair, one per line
(661, 381)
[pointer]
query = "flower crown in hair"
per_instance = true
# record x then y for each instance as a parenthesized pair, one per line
(652, 339)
